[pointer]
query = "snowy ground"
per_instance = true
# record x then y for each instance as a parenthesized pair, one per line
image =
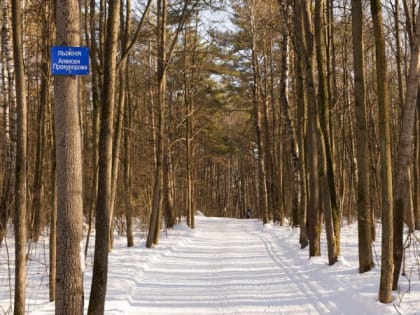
(226, 266)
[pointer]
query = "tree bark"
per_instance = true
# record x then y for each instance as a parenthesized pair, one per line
(259, 124)
(416, 167)
(405, 152)
(122, 99)
(40, 215)
(96, 66)
(302, 113)
(328, 194)
(154, 225)
(103, 205)
(387, 263)
(53, 222)
(128, 178)
(21, 157)
(362, 153)
(292, 142)
(305, 42)
(69, 290)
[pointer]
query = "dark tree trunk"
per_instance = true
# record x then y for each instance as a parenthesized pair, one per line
(387, 263)
(21, 157)
(362, 154)
(102, 224)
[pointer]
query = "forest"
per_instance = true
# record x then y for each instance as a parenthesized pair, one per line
(306, 112)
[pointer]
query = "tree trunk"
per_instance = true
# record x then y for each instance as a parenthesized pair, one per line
(405, 152)
(328, 194)
(154, 225)
(122, 99)
(69, 290)
(416, 167)
(259, 126)
(188, 131)
(102, 224)
(168, 189)
(128, 177)
(362, 153)
(305, 39)
(53, 220)
(127, 138)
(96, 84)
(387, 264)
(301, 125)
(40, 215)
(295, 153)
(21, 157)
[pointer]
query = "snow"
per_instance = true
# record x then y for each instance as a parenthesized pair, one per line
(225, 266)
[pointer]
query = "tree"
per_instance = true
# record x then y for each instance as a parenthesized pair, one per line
(39, 208)
(259, 117)
(362, 153)
(154, 226)
(21, 156)
(103, 204)
(293, 143)
(125, 112)
(328, 194)
(305, 49)
(405, 150)
(122, 100)
(387, 264)
(69, 291)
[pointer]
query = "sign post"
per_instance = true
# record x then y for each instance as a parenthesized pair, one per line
(69, 60)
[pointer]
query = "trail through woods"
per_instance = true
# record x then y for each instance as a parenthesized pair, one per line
(231, 266)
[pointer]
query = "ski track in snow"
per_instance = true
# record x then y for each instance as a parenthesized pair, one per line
(230, 266)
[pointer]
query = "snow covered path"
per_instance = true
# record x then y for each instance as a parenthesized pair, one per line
(227, 266)
(231, 266)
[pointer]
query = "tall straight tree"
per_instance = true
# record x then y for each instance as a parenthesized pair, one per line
(189, 122)
(301, 123)
(118, 130)
(387, 264)
(154, 226)
(312, 153)
(292, 142)
(39, 214)
(69, 290)
(21, 156)
(362, 154)
(125, 113)
(96, 47)
(405, 149)
(103, 204)
(259, 116)
(328, 195)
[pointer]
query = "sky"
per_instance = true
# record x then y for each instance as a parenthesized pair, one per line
(226, 266)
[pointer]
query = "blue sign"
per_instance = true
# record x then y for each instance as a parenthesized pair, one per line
(68, 60)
